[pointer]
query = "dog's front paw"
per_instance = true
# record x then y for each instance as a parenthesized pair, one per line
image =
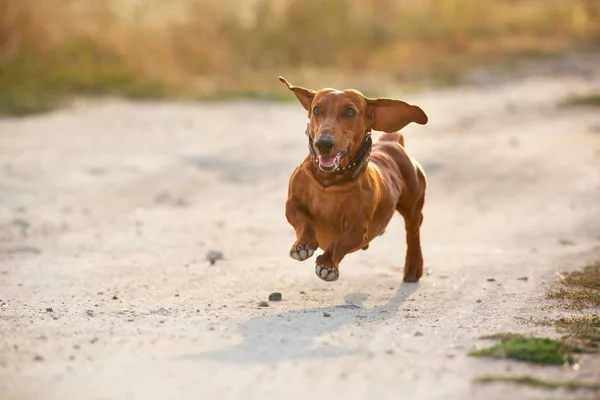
(301, 250)
(326, 270)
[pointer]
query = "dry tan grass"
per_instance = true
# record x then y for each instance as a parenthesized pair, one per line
(580, 288)
(207, 48)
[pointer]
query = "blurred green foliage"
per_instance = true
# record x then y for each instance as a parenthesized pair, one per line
(51, 50)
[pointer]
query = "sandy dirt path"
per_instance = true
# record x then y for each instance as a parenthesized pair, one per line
(107, 211)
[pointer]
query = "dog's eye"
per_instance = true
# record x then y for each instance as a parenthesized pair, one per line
(316, 111)
(350, 112)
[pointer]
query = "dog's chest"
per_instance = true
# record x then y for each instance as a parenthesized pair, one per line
(333, 210)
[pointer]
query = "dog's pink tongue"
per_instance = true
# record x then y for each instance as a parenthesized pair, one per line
(327, 161)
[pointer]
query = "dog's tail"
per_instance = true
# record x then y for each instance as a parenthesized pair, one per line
(401, 139)
(393, 137)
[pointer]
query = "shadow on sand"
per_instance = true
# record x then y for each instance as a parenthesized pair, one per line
(291, 335)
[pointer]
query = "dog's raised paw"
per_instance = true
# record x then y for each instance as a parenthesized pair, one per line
(327, 272)
(302, 252)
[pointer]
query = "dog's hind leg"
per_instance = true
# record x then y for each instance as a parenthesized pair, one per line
(413, 219)
(413, 264)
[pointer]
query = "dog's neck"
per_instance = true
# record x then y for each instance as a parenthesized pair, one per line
(356, 166)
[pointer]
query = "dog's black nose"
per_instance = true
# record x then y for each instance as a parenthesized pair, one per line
(325, 144)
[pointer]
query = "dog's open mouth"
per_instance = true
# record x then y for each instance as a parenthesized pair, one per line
(331, 162)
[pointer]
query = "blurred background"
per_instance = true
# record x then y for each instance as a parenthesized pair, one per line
(51, 50)
(140, 241)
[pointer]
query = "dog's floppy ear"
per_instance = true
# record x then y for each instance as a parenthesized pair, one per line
(305, 96)
(389, 115)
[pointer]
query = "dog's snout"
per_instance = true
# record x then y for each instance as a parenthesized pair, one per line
(326, 132)
(325, 143)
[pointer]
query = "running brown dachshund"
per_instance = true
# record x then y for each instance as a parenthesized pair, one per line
(346, 190)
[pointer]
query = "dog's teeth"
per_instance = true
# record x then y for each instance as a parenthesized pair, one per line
(303, 254)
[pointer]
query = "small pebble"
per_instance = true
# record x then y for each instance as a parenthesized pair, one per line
(263, 304)
(523, 278)
(417, 334)
(275, 296)
(160, 310)
(479, 301)
(213, 256)
(326, 315)
(491, 280)
(115, 297)
(49, 309)
(38, 358)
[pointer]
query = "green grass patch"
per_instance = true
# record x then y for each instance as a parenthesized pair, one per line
(30, 83)
(588, 278)
(502, 336)
(590, 100)
(538, 383)
(580, 288)
(586, 327)
(582, 331)
(529, 349)
(577, 298)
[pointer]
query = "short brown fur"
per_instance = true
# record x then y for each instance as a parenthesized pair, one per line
(343, 212)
